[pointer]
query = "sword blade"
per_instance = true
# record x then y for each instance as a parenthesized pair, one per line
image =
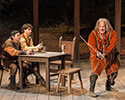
(88, 44)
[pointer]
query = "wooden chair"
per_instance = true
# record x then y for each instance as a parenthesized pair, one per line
(68, 73)
(69, 47)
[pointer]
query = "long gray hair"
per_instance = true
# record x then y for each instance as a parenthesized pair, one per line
(107, 23)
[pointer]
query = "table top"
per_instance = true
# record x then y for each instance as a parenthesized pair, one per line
(44, 54)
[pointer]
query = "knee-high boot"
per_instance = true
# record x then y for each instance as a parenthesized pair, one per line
(26, 73)
(113, 77)
(40, 78)
(93, 79)
(108, 83)
(12, 84)
(111, 81)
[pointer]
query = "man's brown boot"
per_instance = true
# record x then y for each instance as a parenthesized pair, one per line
(93, 79)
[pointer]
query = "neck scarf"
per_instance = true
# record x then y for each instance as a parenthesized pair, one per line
(103, 38)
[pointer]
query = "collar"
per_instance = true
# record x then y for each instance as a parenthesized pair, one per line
(102, 34)
(26, 37)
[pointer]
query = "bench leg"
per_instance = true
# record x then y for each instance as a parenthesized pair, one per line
(81, 84)
(58, 84)
(69, 83)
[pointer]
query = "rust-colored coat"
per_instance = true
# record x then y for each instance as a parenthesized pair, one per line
(110, 64)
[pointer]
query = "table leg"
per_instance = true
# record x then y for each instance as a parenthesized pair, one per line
(20, 73)
(48, 75)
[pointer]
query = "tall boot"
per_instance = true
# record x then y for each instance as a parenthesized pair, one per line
(26, 73)
(40, 78)
(12, 84)
(93, 79)
(25, 80)
(108, 83)
(113, 77)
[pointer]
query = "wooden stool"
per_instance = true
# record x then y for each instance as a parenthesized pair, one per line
(2, 69)
(1, 74)
(68, 73)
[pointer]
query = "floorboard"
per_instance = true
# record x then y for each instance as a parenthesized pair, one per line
(37, 92)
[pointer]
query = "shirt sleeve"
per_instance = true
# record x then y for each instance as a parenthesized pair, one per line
(24, 45)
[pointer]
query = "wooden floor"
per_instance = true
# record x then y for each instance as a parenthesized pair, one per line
(37, 92)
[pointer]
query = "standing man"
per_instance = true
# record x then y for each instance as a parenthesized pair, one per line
(11, 49)
(27, 44)
(103, 39)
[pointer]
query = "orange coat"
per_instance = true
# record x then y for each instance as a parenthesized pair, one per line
(110, 64)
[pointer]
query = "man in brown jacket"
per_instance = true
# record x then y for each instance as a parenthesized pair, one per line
(11, 49)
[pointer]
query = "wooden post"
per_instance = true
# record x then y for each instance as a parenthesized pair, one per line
(118, 21)
(77, 26)
(35, 21)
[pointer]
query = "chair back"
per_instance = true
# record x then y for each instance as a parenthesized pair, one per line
(69, 46)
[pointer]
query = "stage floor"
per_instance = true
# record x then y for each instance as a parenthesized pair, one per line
(37, 92)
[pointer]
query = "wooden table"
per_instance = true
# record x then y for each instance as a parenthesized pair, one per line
(46, 57)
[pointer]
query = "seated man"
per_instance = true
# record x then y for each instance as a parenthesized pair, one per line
(27, 44)
(11, 49)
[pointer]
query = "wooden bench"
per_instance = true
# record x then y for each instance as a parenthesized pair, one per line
(69, 73)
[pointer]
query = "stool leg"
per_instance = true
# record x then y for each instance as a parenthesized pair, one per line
(69, 83)
(1, 76)
(59, 79)
(72, 77)
(63, 80)
(81, 84)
